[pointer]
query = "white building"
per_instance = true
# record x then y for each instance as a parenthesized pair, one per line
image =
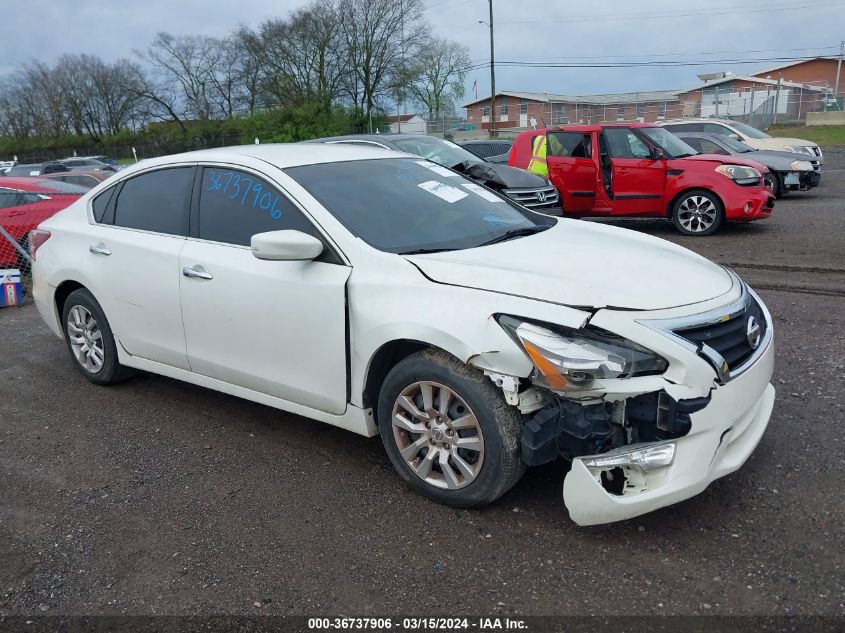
(407, 124)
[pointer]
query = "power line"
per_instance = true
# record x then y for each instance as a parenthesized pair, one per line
(670, 14)
(639, 63)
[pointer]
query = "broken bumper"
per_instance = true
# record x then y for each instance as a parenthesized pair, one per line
(723, 436)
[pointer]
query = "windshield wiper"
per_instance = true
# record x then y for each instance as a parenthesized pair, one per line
(514, 233)
(424, 251)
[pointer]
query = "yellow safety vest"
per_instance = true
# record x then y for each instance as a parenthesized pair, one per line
(537, 164)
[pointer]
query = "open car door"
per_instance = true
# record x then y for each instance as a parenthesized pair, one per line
(572, 169)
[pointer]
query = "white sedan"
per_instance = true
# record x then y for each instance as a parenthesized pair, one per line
(388, 295)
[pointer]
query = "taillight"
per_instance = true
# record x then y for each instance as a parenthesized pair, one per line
(36, 239)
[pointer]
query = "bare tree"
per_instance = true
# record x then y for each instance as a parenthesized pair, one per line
(181, 67)
(440, 69)
(379, 36)
(301, 57)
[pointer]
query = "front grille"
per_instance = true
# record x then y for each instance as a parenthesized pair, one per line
(816, 166)
(729, 337)
(544, 198)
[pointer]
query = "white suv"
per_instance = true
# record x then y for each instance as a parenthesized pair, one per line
(386, 294)
(751, 136)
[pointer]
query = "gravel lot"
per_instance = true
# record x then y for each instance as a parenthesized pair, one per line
(157, 497)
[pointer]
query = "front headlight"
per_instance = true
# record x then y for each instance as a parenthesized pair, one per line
(567, 358)
(801, 149)
(740, 174)
(801, 165)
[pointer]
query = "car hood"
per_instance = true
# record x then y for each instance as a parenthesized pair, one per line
(502, 176)
(778, 143)
(586, 265)
(722, 160)
(779, 160)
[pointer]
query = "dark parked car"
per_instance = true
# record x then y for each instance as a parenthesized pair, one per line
(529, 190)
(38, 169)
(493, 151)
(789, 171)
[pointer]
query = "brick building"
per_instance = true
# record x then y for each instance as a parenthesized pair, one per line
(819, 72)
(527, 109)
(790, 90)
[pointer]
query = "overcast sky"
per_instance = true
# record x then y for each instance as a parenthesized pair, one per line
(526, 30)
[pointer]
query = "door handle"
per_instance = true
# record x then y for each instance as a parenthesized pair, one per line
(99, 249)
(195, 273)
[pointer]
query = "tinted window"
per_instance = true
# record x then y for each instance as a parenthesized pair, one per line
(156, 201)
(17, 199)
(693, 142)
(623, 143)
(82, 181)
(235, 205)
(101, 203)
(684, 127)
(709, 147)
(715, 128)
(406, 205)
(570, 144)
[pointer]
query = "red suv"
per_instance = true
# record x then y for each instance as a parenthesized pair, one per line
(641, 170)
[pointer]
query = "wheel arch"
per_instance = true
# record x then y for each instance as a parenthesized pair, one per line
(671, 207)
(386, 358)
(63, 291)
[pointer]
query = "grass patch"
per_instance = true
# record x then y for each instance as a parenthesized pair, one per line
(824, 135)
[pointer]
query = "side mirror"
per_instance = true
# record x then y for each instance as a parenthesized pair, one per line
(285, 246)
(657, 153)
(734, 136)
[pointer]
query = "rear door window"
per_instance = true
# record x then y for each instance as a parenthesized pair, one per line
(569, 144)
(715, 128)
(235, 205)
(156, 201)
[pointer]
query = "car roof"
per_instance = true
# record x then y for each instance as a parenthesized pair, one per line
(33, 184)
(708, 135)
(697, 120)
(281, 155)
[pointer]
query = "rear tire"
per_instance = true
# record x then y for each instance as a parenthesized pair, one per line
(448, 430)
(90, 340)
(698, 212)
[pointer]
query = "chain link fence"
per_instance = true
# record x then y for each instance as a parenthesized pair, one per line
(15, 260)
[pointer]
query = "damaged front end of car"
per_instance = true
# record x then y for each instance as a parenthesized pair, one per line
(609, 405)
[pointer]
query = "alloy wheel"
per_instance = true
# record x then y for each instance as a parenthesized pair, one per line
(86, 339)
(438, 435)
(697, 214)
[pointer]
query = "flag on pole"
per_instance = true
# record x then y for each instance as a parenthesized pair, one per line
(475, 88)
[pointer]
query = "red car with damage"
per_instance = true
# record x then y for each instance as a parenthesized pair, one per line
(26, 202)
(641, 170)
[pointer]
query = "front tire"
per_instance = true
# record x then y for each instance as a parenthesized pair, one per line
(448, 430)
(90, 340)
(698, 212)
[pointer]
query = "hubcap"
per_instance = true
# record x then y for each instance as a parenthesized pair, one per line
(86, 340)
(438, 435)
(697, 214)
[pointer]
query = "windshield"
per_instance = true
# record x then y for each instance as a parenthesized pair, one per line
(404, 205)
(668, 142)
(438, 150)
(750, 132)
(734, 145)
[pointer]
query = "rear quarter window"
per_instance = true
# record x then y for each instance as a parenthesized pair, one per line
(156, 201)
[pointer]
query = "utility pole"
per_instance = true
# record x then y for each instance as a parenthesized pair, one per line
(838, 69)
(777, 101)
(492, 77)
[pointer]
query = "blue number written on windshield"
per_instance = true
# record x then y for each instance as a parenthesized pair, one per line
(249, 192)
